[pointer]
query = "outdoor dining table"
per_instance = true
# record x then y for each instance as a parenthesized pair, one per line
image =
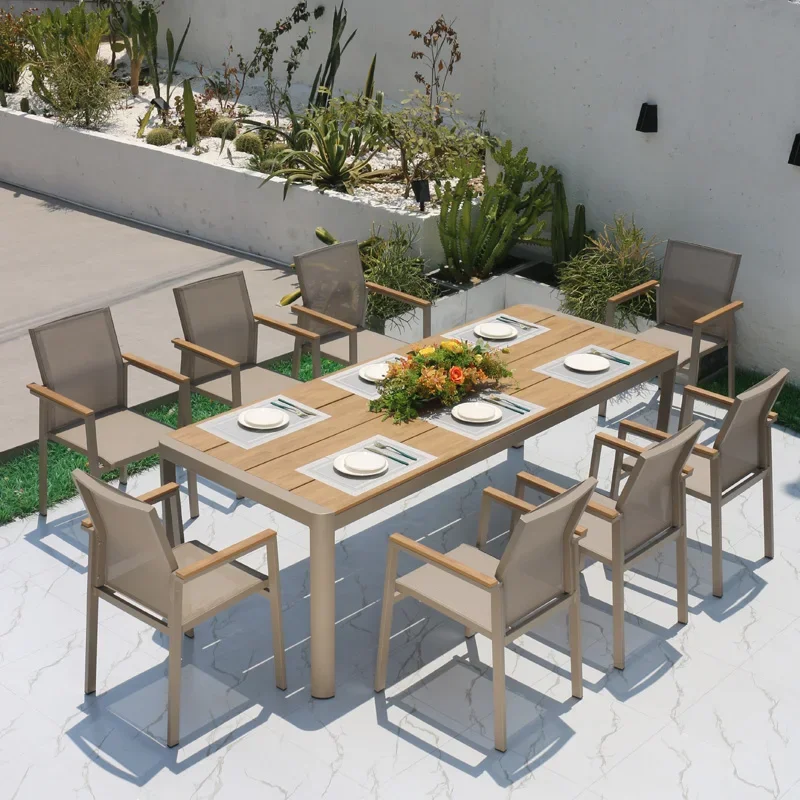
(268, 474)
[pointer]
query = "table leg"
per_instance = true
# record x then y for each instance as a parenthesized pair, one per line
(323, 607)
(172, 521)
(667, 384)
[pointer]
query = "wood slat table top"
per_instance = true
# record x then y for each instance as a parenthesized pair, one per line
(350, 420)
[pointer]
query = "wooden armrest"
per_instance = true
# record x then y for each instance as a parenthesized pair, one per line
(285, 327)
(629, 448)
(43, 393)
(553, 489)
(509, 500)
(225, 556)
(204, 352)
(432, 556)
(152, 497)
(155, 369)
(720, 312)
(318, 315)
(709, 397)
(409, 299)
(623, 297)
(647, 432)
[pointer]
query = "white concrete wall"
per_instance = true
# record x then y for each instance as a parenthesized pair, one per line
(175, 191)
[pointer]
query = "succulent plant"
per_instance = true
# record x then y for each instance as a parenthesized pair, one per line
(249, 143)
(224, 128)
(159, 137)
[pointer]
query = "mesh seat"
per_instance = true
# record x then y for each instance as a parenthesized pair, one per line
(680, 339)
(257, 383)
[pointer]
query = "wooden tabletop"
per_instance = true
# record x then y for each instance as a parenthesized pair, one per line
(351, 421)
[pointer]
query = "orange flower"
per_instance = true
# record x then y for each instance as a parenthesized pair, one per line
(456, 375)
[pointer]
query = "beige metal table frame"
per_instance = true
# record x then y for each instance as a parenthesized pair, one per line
(268, 476)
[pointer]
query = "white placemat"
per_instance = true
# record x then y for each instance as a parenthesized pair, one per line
(556, 369)
(467, 333)
(323, 470)
(444, 419)
(349, 380)
(227, 426)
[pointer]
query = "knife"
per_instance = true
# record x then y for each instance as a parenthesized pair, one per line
(286, 408)
(611, 358)
(510, 402)
(378, 452)
(496, 402)
(383, 446)
(509, 321)
(297, 408)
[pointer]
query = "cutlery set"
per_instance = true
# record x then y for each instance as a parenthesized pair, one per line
(381, 449)
(285, 405)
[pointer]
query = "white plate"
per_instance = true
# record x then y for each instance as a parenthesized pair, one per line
(374, 373)
(495, 330)
(263, 419)
(477, 413)
(586, 362)
(361, 464)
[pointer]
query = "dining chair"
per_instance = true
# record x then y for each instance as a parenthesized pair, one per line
(501, 598)
(694, 311)
(219, 348)
(740, 458)
(335, 296)
(83, 398)
(133, 566)
(650, 512)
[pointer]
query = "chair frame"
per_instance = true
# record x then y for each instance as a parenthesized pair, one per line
(620, 561)
(49, 397)
(717, 497)
(499, 634)
(173, 626)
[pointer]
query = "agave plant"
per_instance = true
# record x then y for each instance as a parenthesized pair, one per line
(334, 157)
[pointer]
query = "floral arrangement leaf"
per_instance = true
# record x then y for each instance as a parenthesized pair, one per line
(441, 374)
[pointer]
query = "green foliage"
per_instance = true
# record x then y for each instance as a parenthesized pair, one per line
(565, 245)
(269, 160)
(224, 128)
(369, 84)
(150, 36)
(476, 240)
(159, 137)
(133, 27)
(322, 88)
(143, 122)
(249, 143)
(189, 114)
(55, 33)
(15, 51)
(205, 116)
(613, 262)
(442, 52)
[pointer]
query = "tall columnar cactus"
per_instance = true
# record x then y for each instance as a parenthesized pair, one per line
(189, 114)
(565, 245)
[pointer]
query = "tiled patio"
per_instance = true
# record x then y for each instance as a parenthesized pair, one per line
(702, 711)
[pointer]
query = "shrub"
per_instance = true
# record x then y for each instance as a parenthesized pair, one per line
(14, 48)
(205, 116)
(224, 127)
(616, 260)
(249, 143)
(159, 137)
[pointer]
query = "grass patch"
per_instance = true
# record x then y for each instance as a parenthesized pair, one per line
(787, 405)
(19, 476)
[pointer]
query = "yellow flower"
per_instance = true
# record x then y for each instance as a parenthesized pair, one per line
(427, 351)
(452, 346)
(505, 350)
(478, 358)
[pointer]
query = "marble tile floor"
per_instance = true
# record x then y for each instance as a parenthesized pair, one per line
(710, 709)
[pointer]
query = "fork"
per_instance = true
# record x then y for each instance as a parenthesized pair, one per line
(294, 411)
(516, 322)
(382, 446)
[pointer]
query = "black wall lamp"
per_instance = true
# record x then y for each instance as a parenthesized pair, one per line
(422, 192)
(648, 119)
(794, 156)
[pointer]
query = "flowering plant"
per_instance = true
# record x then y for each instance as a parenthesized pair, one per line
(444, 373)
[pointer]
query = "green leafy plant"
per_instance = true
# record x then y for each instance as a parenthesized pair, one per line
(269, 160)
(189, 108)
(249, 143)
(616, 260)
(173, 55)
(565, 245)
(322, 87)
(205, 116)
(159, 137)
(224, 128)
(15, 51)
(442, 52)
(478, 238)
(133, 31)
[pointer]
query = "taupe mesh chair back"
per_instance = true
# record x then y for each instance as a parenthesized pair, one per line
(742, 440)
(695, 281)
(535, 567)
(135, 556)
(79, 357)
(332, 282)
(651, 500)
(216, 314)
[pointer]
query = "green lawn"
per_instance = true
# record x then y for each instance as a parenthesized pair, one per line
(19, 476)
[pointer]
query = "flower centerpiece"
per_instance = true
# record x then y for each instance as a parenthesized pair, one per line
(444, 373)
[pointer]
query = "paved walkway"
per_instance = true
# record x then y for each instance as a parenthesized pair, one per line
(57, 259)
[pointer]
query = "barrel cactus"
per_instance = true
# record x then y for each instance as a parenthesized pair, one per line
(249, 143)
(224, 128)
(159, 137)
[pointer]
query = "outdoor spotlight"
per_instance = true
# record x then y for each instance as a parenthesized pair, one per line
(422, 192)
(160, 103)
(648, 119)
(794, 156)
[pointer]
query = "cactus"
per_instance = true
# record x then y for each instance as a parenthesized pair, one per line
(249, 143)
(25, 105)
(189, 114)
(224, 128)
(159, 137)
(564, 245)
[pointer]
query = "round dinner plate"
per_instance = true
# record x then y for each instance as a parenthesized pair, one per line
(361, 464)
(263, 419)
(586, 362)
(498, 331)
(374, 373)
(477, 413)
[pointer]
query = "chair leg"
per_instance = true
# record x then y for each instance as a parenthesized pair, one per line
(602, 411)
(189, 634)
(276, 613)
(43, 476)
(194, 500)
(732, 366)
(576, 645)
(681, 554)
(618, 589)
(174, 686)
(123, 474)
(469, 632)
(716, 546)
(499, 689)
(92, 602)
(387, 611)
(769, 517)
(296, 358)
